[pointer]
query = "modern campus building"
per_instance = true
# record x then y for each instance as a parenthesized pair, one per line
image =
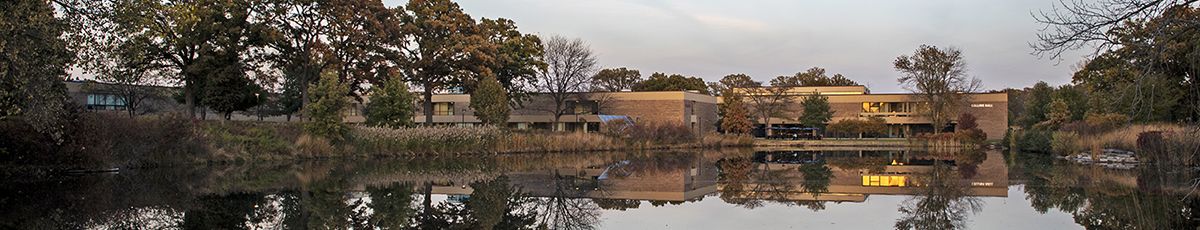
(898, 110)
(589, 111)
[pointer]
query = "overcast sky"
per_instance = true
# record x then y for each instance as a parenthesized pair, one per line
(768, 38)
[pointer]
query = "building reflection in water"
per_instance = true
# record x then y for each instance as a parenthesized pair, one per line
(570, 191)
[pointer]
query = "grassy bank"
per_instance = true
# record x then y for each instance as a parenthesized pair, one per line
(102, 140)
(1159, 142)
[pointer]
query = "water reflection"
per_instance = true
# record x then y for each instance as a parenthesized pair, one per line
(574, 191)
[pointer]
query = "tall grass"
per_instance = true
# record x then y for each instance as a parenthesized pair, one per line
(472, 140)
(1124, 137)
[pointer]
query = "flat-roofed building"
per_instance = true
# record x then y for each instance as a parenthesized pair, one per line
(901, 111)
(588, 111)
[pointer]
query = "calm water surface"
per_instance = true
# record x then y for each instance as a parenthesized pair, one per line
(729, 189)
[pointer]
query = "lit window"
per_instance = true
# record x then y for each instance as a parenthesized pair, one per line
(871, 107)
(443, 108)
(884, 181)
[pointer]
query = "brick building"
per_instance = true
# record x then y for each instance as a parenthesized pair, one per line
(588, 111)
(900, 111)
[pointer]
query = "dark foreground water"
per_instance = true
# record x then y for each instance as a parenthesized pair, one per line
(730, 189)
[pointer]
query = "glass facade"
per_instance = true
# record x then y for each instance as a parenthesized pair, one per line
(890, 107)
(105, 102)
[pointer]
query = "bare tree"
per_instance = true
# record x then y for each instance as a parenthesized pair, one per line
(937, 77)
(570, 66)
(1075, 24)
(1141, 28)
(768, 101)
(565, 209)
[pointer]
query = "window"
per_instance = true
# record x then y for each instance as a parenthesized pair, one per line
(443, 108)
(871, 107)
(884, 181)
(105, 102)
(354, 110)
(583, 107)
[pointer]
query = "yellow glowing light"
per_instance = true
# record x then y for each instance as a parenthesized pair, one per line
(884, 181)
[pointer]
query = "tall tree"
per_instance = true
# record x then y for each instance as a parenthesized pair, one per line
(296, 33)
(616, 80)
(490, 102)
(33, 61)
(815, 76)
(769, 101)
(227, 63)
(673, 82)
(113, 56)
(446, 48)
(227, 87)
(1036, 104)
(816, 110)
(178, 31)
(391, 105)
(517, 57)
(1156, 39)
(937, 77)
(365, 39)
(727, 84)
(570, 65)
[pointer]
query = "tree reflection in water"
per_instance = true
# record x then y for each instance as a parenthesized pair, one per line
(564, 192)
(565, 208)
(1149, 197)
(750, 185)
(942, 202)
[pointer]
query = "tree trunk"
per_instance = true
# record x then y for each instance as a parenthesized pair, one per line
(428, 104)
(427, 203)
(767, 126)
(189, 100)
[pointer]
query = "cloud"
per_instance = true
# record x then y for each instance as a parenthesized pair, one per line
(730, 22)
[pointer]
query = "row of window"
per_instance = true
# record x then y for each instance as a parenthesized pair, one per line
(891, 107)
(104, 102)
(582, 108)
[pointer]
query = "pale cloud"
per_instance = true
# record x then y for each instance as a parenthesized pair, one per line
(730, 22)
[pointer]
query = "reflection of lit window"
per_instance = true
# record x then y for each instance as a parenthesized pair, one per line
(884, 181)
(443, 108)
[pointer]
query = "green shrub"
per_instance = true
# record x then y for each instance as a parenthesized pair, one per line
(857, 127)
(391, 105)
(327, 100)
(1035, 140)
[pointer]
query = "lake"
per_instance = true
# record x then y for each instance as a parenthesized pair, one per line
(835, 188)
